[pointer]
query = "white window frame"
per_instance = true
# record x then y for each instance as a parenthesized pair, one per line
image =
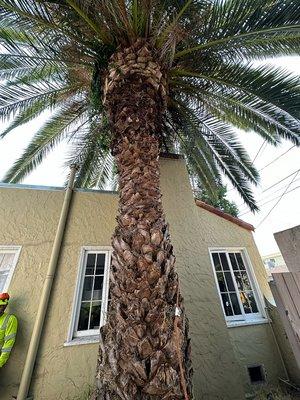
(243, 319)
(91, 335)
(10, 249)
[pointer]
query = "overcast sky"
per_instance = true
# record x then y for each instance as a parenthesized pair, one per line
(284, 215)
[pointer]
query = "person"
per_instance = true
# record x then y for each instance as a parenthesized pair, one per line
(8, 330)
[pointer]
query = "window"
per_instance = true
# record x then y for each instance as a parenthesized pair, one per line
(91, 295)
(237, 291)
(8, 259)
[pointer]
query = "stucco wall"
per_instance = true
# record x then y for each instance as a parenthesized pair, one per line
(251, 344)
(29, 218)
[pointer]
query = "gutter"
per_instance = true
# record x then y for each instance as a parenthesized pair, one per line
(46, 291)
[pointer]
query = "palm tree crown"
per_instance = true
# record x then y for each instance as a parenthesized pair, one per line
(56, 54)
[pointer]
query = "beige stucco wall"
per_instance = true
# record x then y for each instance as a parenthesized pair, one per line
(29, 218)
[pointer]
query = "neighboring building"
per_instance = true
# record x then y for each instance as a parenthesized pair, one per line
(222, 277)
(286, 289)
(274, 263)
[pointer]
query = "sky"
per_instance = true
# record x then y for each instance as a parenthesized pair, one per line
(270, 191)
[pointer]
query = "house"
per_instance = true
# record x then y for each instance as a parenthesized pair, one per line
(274, 263)
(234, 345)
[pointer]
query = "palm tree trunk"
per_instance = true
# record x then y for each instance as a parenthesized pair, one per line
(144, 350)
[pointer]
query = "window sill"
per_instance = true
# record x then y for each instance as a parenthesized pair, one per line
(234, 324)
(82, 340)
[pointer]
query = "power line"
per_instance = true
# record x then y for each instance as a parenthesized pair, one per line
(275, 184)
(270, 163)
(277, 158)
(259, 150)
(281, 180)
(269, 201)
(278, 199)
(245, 207)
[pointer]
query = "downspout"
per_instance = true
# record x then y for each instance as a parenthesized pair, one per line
(46, 291)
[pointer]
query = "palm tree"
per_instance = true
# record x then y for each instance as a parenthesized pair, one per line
(128, 79)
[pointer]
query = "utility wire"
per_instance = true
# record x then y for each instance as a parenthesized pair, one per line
(286, 189)
(275, 184)
(281, 180)
(270, 163)
(277, 158)
(245, 207)
(269, 201)
(259, 150)
(255, 157)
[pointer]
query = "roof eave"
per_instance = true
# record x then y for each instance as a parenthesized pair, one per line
(224, 215)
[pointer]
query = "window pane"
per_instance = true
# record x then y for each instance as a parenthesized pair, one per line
(7, 261)
(98, 285)
(245, 279)
(90, 264)
(238, 280)
(216, 260)
(246, 305)
(83, 323)
(227, 305)
(95, 315)
(2, 281)
(229, 282)
(240, 261)
(252, 302)
(221, 282)
(235, 304)
(100, 264)
(87, 288)
(224, 262)
(233, 261)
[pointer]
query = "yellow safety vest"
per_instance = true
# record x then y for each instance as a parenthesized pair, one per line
(8, 332)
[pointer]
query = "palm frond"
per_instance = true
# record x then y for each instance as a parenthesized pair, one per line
(56, 53)
(226, 151)
(248, 29)
(270, 90)
(93, 158)
(45, 140)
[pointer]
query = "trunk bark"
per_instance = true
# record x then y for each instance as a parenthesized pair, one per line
(144, 350)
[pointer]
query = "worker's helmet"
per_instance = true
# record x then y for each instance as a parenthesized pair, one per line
(4, 298)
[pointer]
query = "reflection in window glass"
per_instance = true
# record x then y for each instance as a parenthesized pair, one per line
(6, 264)
(100, 264)
(221, 281)
(91, 297)
(224, 261)
(217, 262)
(227, 304)
(90, 264)
(234, 284)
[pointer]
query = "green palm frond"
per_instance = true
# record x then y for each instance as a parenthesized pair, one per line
(28, 114)
(248, 29)
(45, 140)
(92, 156)
(54, 56)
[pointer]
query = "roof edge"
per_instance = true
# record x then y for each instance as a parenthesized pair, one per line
(224, 215)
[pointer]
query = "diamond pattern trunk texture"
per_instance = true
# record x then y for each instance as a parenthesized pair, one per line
(144, 350)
